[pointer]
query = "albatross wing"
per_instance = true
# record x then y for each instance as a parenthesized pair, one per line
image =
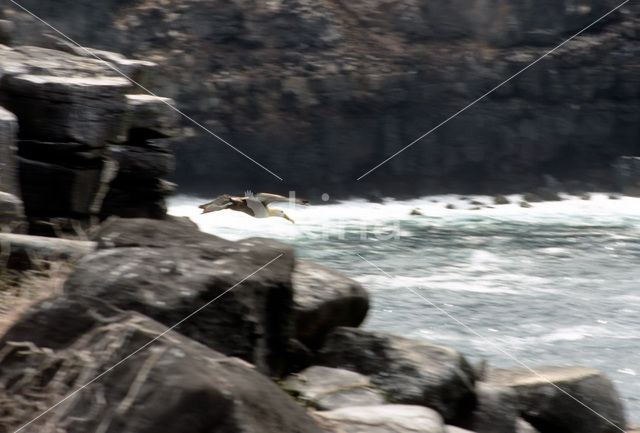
(265, 198)
(219, 203)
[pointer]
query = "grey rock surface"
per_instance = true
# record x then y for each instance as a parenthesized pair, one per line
(408, 371)
(324, 299)
(554, 399)
(21, 251)
(327, 388)
(146, 384)
(390, 418)
(252, 313)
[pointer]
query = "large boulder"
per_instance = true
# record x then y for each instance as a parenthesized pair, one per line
(249, 280)
(327, 388)
(324, 299)
(409, 371)
(390, 418)
(564, 399)
(123, 372)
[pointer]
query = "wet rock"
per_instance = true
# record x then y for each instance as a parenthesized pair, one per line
(324, 299)
(547, 194)
(252, 315)
(23, 251)
(327, 388)
(160, 384)
(450, 206)
(525, 204)
(531, 198)
(388, 418)
(500, 199)
(543, 403)
(408, 371)
(416, 212)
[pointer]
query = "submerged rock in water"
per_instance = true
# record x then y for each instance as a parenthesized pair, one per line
(553, 399)
(409, 371)
(500, 199)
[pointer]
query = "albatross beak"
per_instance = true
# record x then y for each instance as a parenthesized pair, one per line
(287, 218)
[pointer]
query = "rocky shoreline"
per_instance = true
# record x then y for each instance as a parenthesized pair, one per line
(291, 320)
(186, 331)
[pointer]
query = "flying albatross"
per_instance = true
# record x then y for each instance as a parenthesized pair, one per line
(254, 205)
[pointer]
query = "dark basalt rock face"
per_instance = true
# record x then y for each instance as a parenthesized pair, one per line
(320, 92)
(86, 147)
(172, 385)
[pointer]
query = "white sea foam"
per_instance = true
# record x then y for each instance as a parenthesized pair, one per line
(554, 283)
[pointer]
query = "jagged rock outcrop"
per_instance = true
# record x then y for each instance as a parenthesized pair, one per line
(173, 385)
(85, 144)
(320, 92)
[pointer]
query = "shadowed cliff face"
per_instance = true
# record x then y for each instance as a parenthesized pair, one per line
(320, 92)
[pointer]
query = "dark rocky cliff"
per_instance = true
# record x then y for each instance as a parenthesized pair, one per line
(320, 92)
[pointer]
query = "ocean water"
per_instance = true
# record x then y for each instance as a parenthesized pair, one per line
(555, 284)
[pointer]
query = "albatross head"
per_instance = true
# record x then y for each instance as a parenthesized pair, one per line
(279, 213)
